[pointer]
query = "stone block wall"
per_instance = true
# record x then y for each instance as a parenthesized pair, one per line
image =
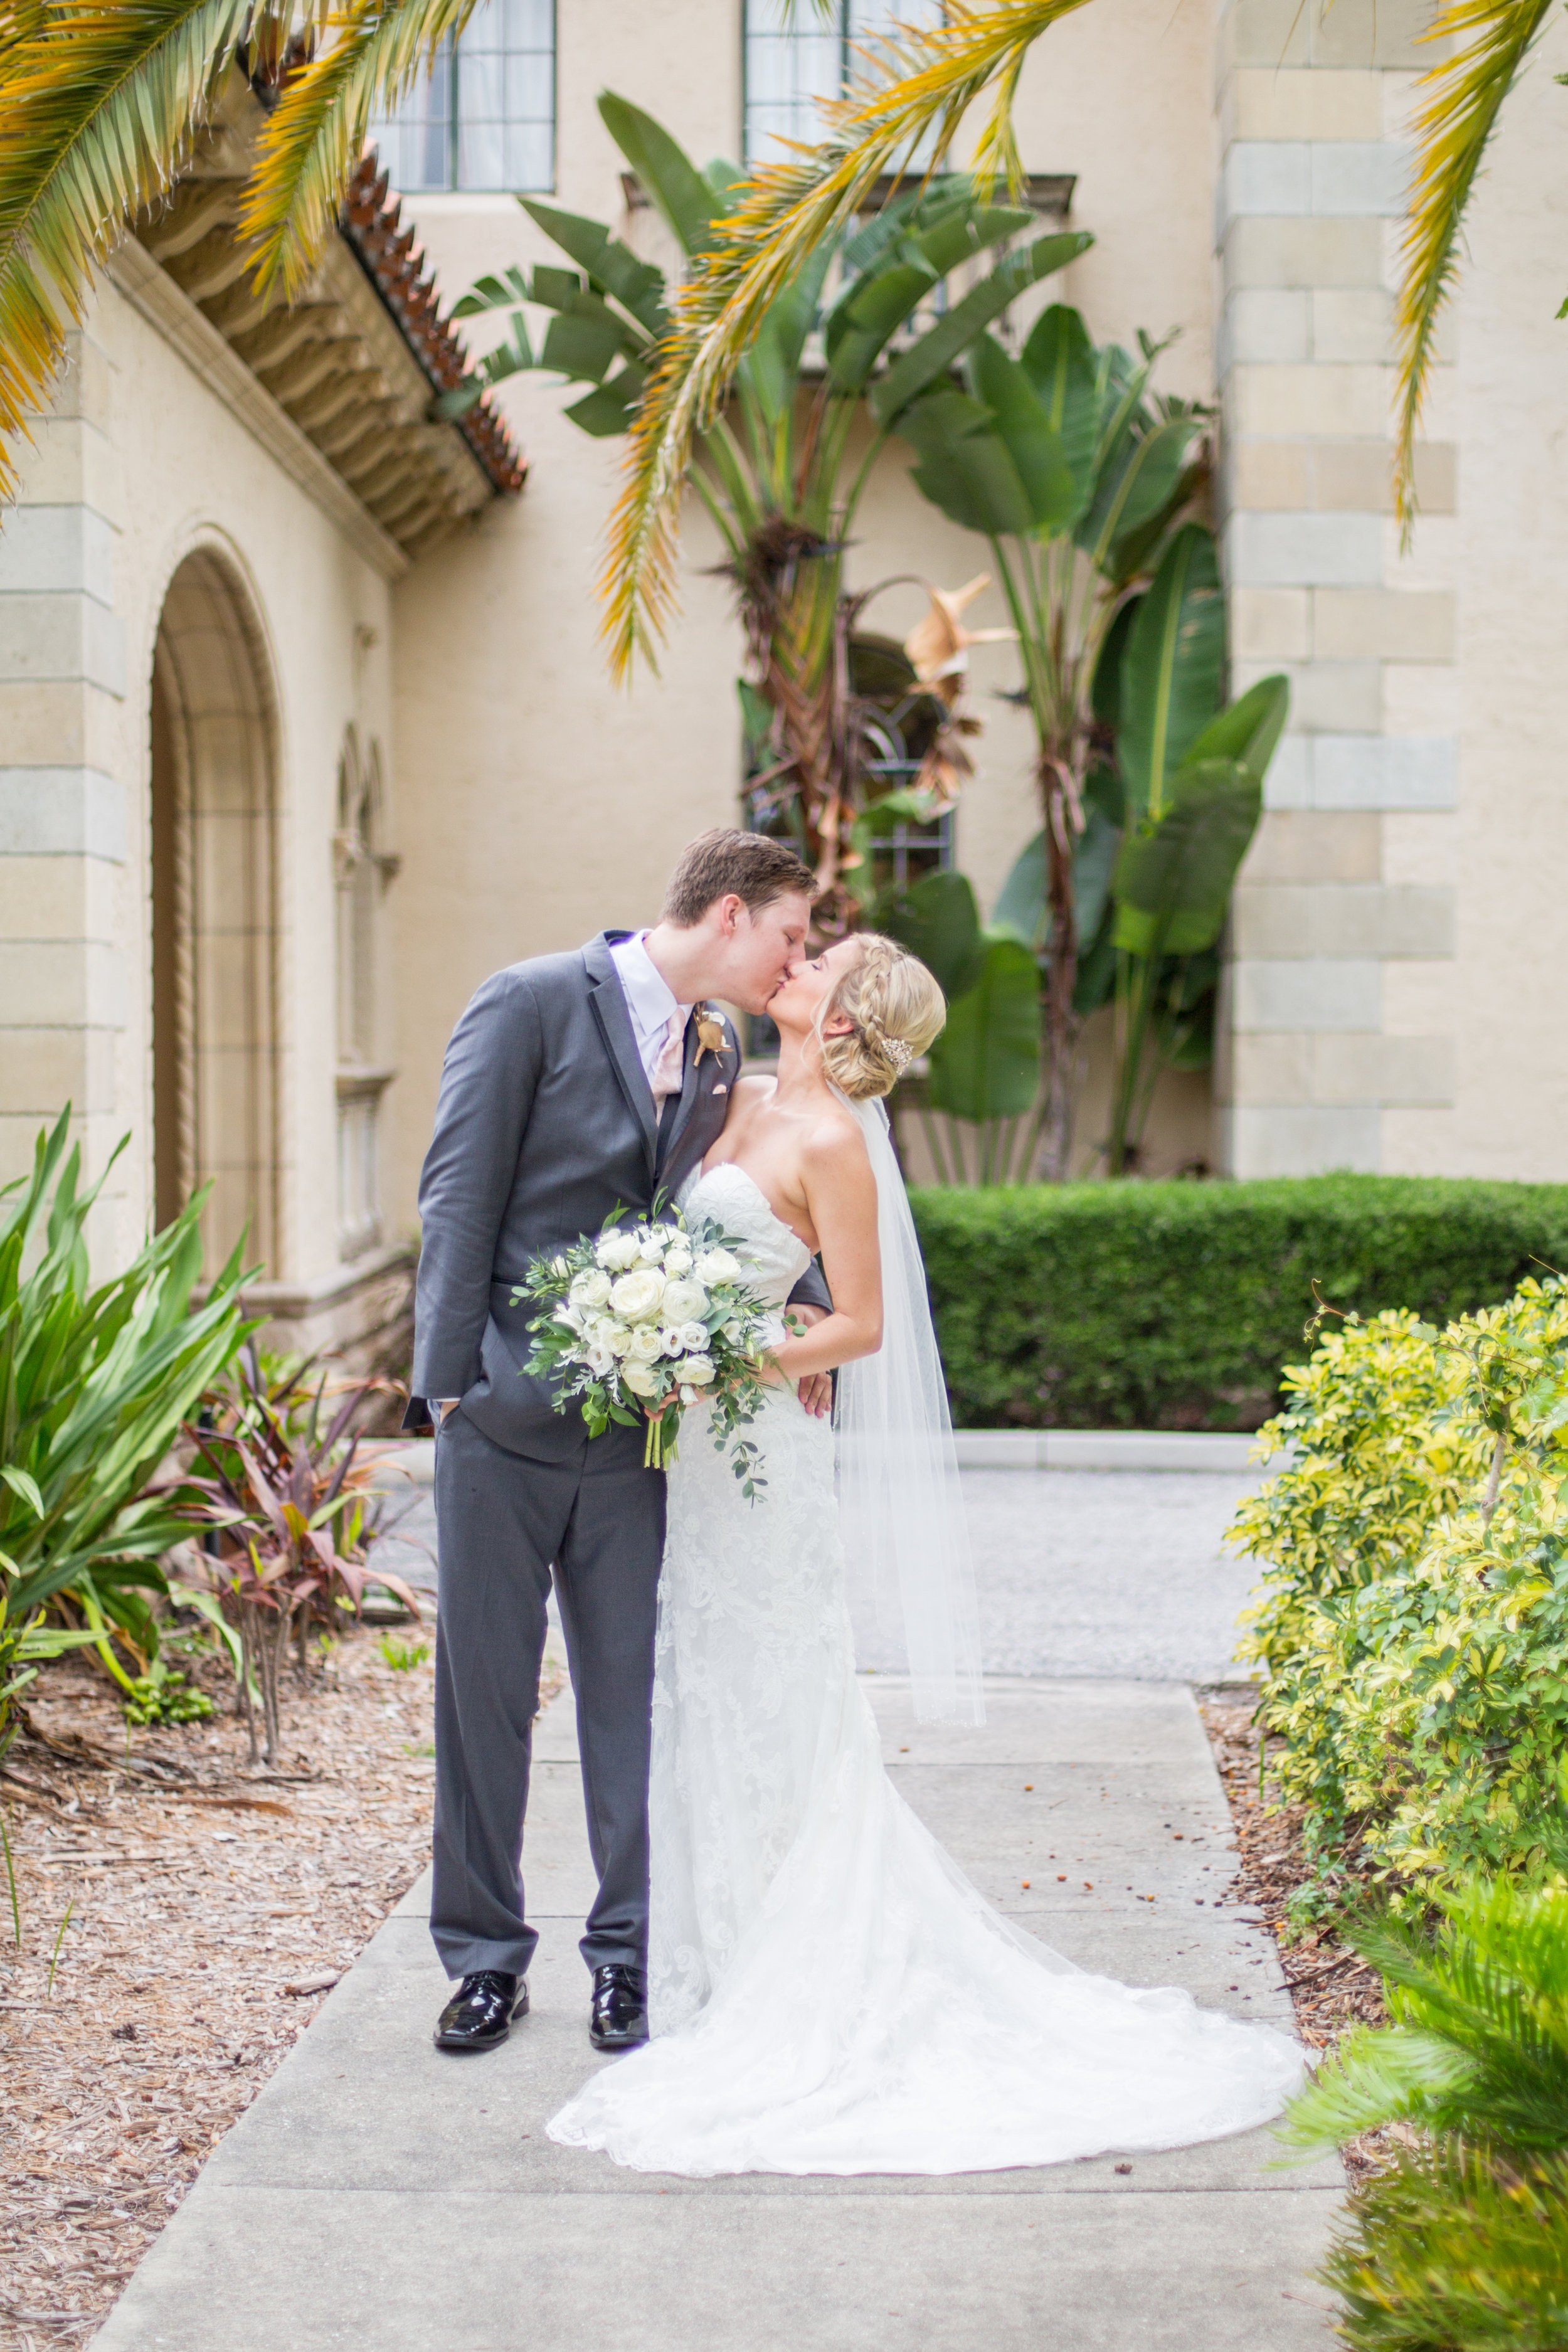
(63, 816)
(1312, 166)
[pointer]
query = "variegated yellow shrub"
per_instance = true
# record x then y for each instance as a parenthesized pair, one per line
(1413, 1620)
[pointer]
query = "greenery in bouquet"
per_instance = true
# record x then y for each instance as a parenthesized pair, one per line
(646, 1319)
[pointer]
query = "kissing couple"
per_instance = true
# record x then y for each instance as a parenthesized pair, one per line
(800, 1978)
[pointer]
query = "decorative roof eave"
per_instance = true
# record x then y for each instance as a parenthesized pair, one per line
(353, 361)
(371, 223)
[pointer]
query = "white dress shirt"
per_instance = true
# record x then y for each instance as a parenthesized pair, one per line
(650, 999)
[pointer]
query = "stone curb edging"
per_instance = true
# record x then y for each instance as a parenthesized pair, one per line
(993, 1449)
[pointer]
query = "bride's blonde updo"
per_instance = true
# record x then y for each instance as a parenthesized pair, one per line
(896, 1009)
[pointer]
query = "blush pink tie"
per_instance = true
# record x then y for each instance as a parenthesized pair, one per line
(669, 1071)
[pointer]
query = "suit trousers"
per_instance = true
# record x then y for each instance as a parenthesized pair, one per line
(504, 1523)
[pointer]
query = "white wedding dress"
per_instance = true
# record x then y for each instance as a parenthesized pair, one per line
(827, 1992)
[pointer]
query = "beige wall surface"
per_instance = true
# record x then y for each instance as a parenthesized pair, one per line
(538, 800)
(1505, 849)
(143, 465)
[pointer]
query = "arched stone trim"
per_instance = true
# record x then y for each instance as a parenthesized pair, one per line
(215, 864)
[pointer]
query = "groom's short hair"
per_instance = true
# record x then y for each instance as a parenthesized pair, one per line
(724, 864)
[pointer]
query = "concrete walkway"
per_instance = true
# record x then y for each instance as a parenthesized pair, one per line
(1105, 1570)
(378, 2198)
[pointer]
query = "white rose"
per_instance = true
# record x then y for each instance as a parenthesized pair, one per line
(637, 1295)
(644, 1345)
(677, 1257)
(591, 1289)
(609, 1334)
(683, 1300)
(695, 1373)
(617, 1251)
(693, 1338)
(717, 1266)
(670, 1343)
(655, 1241)
(640, 1380)
(598, 1360)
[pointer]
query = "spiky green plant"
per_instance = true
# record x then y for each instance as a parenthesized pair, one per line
(94, 1386)
(1479, 2046)
(1463, 2247)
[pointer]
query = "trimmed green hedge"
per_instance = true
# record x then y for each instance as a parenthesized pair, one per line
(1176, 1306)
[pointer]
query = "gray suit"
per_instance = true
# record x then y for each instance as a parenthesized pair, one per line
(545, 1124)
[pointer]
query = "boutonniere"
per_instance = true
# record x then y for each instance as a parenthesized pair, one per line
(709, 1030)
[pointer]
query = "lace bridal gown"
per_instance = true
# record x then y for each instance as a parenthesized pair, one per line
(827, 1992)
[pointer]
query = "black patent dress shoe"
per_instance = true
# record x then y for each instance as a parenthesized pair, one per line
(480, 2012)
(618, 2019)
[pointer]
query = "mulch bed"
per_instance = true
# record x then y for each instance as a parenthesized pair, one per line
(211, 1906)
(1331, 1988)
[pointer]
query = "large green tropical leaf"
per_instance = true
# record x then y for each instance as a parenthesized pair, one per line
(937, 921)
(772, 366)
(1172, 667)
(986, 1063)
(942, 344)
(1031, 439)
(965, 467)
(1136, 483)
(1174, 879)
(636, 284)
(1059, 358)
(1249, 730)
(688, 201)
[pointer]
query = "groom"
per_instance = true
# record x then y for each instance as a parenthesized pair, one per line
(574, 1085)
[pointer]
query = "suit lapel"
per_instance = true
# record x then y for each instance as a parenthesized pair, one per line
(697, 1077)
(609, 1000)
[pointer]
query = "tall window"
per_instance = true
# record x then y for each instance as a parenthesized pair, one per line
(362, 871)
(795, 57)
(484, 118)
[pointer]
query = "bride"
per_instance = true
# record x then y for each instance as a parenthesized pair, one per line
(828, 1993)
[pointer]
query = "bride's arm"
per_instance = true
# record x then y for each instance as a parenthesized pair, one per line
(841, 1195)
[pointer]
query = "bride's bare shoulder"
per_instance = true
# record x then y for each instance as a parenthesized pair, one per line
(833, 1149)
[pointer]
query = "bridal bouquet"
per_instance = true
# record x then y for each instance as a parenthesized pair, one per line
(644, 1321)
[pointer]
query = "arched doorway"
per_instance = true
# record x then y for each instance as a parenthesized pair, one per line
(214, 738)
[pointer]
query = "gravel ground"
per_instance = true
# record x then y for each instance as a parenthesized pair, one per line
(210, 1905)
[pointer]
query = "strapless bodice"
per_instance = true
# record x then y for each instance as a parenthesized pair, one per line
(775, 1258)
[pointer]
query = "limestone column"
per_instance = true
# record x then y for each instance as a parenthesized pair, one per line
(63, 814)
(1312, 101)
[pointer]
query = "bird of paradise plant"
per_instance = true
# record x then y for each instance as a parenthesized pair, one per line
(913, 96)
(782, 466)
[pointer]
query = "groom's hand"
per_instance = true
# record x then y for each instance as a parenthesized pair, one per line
(816, 1391)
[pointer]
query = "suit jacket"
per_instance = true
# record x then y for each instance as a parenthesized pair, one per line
(545, 1124)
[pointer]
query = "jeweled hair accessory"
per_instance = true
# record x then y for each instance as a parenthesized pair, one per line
(899, 1052)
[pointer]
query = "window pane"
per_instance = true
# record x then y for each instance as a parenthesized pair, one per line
(415, 143)
(489, 123)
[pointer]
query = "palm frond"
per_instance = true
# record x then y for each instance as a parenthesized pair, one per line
(915, 85)
(375, 52)
(1457, 113)
(98, 103)
(1479, 2044)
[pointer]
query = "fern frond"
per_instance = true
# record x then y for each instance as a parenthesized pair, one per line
(98, 105)
(1459, 101)
(920, 84)
(374, 54)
